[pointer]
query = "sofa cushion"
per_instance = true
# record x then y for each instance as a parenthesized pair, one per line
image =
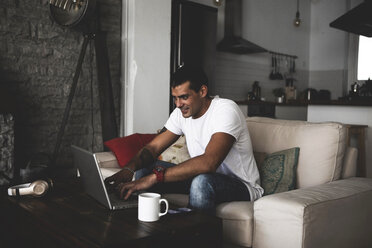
(237, 222)
(322, 146)
(106, 160)
(125, 148)
(278, 171)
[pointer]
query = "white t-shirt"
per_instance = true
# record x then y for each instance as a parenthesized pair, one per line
(225, 116)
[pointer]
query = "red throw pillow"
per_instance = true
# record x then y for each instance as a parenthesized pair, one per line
(125, 148)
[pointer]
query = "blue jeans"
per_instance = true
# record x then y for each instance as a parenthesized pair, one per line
(205, 190)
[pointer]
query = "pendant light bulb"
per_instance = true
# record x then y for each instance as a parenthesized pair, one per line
(217, 2)
(297, 20)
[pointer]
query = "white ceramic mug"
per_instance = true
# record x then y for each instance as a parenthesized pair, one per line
(149, 207)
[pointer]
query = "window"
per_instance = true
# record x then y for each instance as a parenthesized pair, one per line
(364, 58)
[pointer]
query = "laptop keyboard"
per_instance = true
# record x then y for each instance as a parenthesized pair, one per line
(118, 203)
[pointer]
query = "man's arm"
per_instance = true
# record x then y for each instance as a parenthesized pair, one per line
(145, 157)
(215, 152)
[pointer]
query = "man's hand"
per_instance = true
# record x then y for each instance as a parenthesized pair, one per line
(145, 157)
(126, 189)
(122, 176)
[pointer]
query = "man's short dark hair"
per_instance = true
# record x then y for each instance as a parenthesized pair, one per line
(195, 75)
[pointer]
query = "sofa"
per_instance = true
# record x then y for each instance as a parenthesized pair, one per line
(329, 206)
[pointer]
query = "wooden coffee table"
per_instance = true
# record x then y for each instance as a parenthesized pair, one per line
(67, 217)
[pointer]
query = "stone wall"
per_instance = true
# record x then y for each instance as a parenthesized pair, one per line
(37, 63)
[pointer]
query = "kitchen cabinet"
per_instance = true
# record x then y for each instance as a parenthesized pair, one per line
(274, 110)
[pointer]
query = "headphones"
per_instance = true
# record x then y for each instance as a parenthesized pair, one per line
(37, 188)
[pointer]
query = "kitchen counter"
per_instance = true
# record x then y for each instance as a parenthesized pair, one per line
(359, 102)
(296, 109)
(290, 111)
(292, 103)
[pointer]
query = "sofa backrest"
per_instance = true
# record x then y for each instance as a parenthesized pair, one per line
(322, 146)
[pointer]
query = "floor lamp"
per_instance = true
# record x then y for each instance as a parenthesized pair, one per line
(82, 15)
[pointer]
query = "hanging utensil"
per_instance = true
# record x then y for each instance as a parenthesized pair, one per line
(292, 60)
(279, 75)
(276, 75)
(276, 67)
(272, 74)
(286, 66)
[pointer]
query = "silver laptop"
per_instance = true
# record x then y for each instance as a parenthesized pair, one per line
(93, 182)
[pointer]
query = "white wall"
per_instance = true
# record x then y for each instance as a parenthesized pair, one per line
(270, 24)
(328, 47)
(146, 64)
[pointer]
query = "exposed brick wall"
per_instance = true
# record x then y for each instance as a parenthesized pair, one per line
(37, 62)
(6, 147)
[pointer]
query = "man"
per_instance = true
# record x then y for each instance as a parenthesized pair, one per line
(221, 168)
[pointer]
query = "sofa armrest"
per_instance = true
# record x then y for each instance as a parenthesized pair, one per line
(349, 166)
(336, 214)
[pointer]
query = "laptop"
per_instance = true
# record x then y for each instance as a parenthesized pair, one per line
(94, 184)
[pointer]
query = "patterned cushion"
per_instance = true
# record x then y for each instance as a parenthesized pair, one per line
(176, 153)
(278, 170)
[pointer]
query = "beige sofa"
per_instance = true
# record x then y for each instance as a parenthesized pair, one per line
(329, 208)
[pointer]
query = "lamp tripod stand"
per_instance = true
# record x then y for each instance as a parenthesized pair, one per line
(75, 13)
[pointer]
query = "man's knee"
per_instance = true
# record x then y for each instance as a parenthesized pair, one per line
(202, 192)
(201, 182)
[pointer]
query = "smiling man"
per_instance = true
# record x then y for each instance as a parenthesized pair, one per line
(221, 168)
